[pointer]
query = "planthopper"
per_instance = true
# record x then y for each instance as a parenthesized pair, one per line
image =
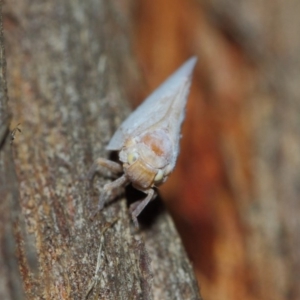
(148, 141)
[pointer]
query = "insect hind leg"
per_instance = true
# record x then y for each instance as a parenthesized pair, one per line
(137, 207)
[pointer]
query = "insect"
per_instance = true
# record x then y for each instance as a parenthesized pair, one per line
(148, 141)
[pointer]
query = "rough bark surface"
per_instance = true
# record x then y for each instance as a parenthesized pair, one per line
(69, 69)
(10, 279)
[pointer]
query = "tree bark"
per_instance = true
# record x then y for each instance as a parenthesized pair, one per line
(70, 70)
(10, 279)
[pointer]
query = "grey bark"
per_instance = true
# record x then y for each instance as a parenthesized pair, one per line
(69, 71)
(10, 279)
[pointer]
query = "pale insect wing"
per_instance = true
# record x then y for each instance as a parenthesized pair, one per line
(173, 119)
(156, 106)
(172, 122)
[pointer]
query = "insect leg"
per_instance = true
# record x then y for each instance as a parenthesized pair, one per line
(102, 164)
(137, 207)
(111, 190)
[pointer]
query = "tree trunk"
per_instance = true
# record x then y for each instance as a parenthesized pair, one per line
(70, 71)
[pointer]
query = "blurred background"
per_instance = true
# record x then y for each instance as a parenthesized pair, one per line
(235, 192)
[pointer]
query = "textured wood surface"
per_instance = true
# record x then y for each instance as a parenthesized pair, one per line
(10, 278)
(70, 71)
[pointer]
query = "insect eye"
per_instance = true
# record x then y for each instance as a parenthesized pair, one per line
(159, 176)
(132, 157)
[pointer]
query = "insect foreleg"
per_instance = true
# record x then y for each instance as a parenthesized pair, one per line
(137, 207)
(111, 190)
